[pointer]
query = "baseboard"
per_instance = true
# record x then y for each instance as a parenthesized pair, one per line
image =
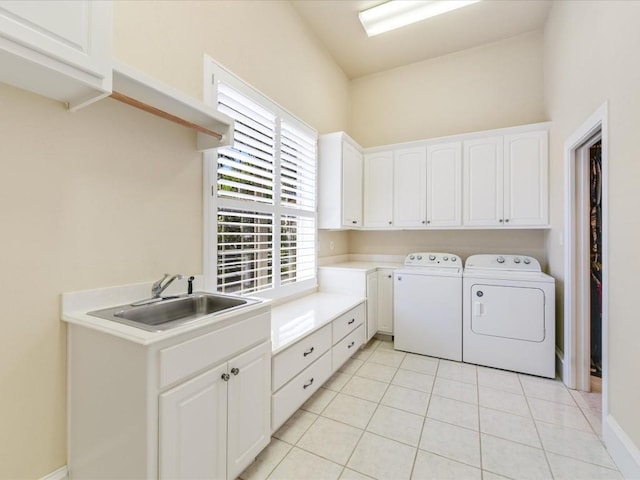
(560, 363)
(61, 474)
(622, 449)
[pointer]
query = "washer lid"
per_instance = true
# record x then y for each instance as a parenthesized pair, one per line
(515, 263)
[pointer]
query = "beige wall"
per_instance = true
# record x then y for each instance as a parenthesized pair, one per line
(498, 85)
(263, 42)
(591, 53)
(110, 195)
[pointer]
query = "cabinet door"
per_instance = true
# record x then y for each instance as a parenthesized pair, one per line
(483, 182)
(249, 408)
(526, 179)
(193, 428)
(385, 300)
(378, 190)
(372, 305)
(351, 186)
(410, 187)
(444, 185)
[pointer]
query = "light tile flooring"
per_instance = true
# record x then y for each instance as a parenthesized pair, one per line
(393, 415)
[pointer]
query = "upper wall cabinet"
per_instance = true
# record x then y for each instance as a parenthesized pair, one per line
(444, 185)
(59, 49)
(378, 189)
(506, 180)
(410, 187)
(340, 182)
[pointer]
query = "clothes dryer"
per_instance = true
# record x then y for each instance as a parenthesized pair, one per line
(427, 305)
(508, 314)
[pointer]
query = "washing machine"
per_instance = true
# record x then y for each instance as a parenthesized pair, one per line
(508, 314)
(427, 305)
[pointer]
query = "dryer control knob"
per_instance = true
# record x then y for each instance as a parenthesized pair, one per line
(445, 258)
(516, 260)
(527, 261)
(411, 257)
(419, 257)
(432, 257)
(500, 259)
(453, 259)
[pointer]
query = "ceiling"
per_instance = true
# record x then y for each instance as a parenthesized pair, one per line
(336, 24)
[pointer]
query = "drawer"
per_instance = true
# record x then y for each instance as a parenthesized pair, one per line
(289, 398)
(347, 322)
(347, 347)
(288, 363)
(188, 357)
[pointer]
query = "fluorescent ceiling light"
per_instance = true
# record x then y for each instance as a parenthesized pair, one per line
(398, 13)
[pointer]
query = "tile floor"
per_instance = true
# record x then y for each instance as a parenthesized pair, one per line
(394, 415)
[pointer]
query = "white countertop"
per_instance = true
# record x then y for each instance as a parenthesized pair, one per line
(294, 320)
(365, 266)
(75, 306)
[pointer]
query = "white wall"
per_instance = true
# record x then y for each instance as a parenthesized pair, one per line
(110, 195)
(493, 86)
(591, 56)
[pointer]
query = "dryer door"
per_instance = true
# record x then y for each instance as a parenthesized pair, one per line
(509, 312)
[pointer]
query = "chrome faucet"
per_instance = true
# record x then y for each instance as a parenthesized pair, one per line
(159, 287)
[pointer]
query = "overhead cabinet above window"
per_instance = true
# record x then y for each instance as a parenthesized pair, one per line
(59, 49)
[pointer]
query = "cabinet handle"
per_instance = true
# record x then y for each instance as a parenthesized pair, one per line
(500, 220)
(507, 220)
(308, 384)
(428, 221)
(351, 321)
(235, 370)
(423, 222)
(308, 352)
(388, 276)
(225, 377)
(354, 221)
(390, 223)
(351, 344)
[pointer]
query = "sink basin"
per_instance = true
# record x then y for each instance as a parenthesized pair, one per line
(165, 314)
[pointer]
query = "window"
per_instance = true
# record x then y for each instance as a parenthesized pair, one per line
(261, 208)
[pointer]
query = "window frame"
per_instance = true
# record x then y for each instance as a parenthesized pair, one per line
(213, 72)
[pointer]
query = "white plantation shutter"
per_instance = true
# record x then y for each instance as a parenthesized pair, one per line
(246, 169)
(264, 196)
(245, 251)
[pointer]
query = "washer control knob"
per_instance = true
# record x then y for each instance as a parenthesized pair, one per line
(419, 257)
(445, 258)
(453, 259)
(411, 257)
(516, 260)
(500, 259)
(432, 257)
(527, 261)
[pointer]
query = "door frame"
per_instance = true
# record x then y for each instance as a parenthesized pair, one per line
(576, 294)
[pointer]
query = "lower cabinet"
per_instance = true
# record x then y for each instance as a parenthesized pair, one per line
(385, 300)
(301, 369)
(194, 406)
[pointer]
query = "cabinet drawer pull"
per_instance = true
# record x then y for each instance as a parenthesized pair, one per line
(353, 342)
(235, 370)
(308, 352)
(225, 377)
(351, 321)
(308, 384)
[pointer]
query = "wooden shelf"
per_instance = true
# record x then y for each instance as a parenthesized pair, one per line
(214, 129)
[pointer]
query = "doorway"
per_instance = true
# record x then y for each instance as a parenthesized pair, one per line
(586, 259)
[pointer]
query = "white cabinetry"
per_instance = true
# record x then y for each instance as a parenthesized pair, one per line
(506, 180)
(372, 305)
(444, 185)
(196, 405)
(385, 300)
(59, 49)
(340, 182)
(378, 189)
(410, 187)
(301, 368)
